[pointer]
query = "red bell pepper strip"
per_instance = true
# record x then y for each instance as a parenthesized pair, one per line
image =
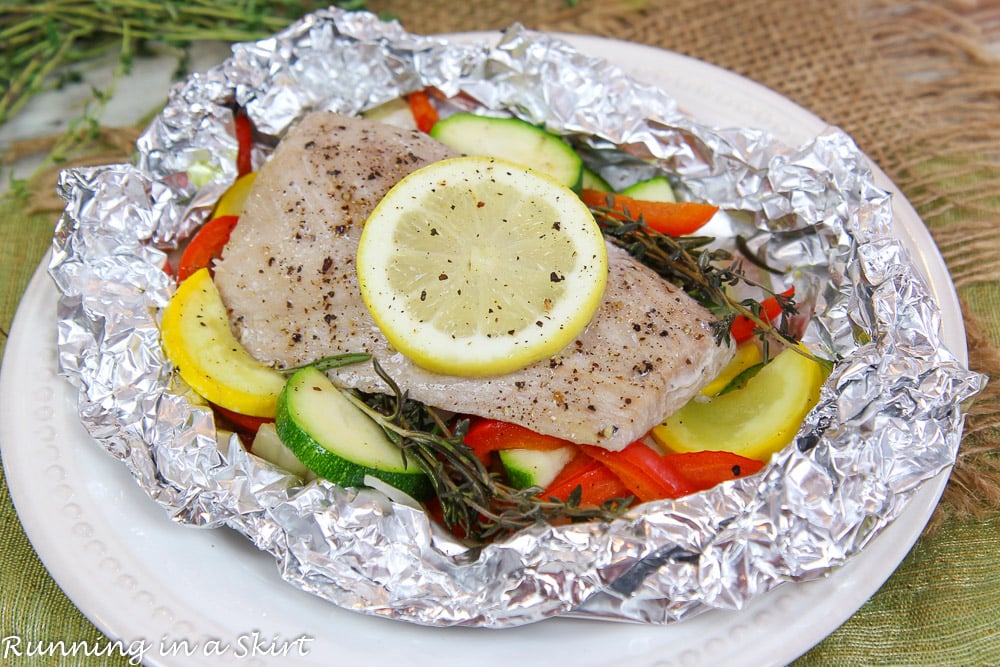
(489, 435)
(672, 218)
(770, 308)
(424, 113)
(206, 245)
(600, 475)
(243, 423)
(596, 483)
(646, 473)
(244, 143)
(706, 469)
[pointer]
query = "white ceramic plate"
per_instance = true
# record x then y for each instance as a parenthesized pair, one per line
(189, 596)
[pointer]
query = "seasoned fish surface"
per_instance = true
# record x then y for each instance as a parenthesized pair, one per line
(288, 279)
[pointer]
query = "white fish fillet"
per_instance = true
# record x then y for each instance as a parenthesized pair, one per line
(288, 279)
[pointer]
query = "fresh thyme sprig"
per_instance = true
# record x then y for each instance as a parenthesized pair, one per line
(474, 500)
(47, 45)
(702, 272)
(329, 363)
(41, 42)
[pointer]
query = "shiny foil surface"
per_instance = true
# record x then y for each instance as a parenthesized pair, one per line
(889, 418)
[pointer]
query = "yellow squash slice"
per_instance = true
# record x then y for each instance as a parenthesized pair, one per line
(197, 339)
(754, 421)
(231, 201)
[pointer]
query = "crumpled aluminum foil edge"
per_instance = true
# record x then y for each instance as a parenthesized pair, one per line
(890, 415)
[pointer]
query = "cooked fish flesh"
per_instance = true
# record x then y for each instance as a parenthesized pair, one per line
(287, 277)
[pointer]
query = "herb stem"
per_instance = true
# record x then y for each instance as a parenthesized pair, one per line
(331, 362)
(474, 501)
(687, 263)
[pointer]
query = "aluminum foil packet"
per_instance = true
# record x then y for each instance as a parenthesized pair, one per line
(889, 418)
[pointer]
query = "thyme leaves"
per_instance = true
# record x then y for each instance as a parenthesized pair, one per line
(475, 501)
(704, 272)
(44, 44)
(331, 362)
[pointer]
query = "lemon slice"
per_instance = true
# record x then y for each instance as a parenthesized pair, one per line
(476, 266)
(754, 421)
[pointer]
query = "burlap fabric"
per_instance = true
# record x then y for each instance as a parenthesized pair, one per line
(918, 86)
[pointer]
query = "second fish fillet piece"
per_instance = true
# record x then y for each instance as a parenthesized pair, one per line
(288, 279)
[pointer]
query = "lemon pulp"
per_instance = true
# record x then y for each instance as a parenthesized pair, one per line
(476, 266)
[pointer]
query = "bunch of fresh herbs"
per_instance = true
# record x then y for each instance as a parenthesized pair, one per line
(43, 43)
(46, 45)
